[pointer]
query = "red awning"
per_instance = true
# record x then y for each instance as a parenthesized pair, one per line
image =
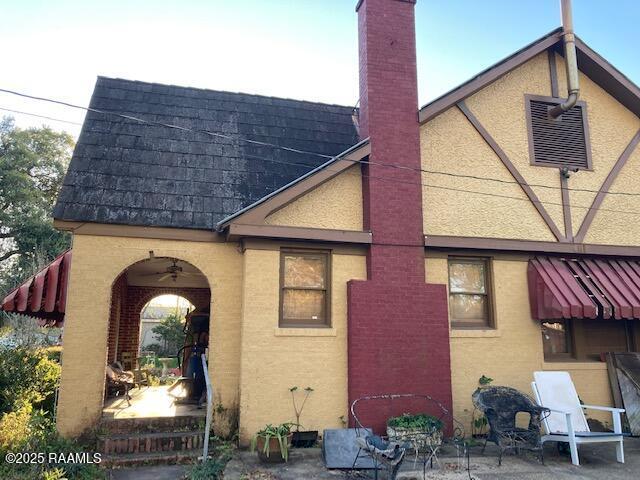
(44, 295)
(584, 288)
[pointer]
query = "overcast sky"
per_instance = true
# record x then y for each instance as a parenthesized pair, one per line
(302, 49)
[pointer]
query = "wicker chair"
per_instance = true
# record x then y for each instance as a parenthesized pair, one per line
(501, 405)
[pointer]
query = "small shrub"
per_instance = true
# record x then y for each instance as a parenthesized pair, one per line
(213, 468)
(28, 379)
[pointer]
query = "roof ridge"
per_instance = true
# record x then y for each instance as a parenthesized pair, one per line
(210, 90)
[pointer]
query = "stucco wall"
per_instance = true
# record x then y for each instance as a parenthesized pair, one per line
(275, 359)
(97, 262)
(513, 351)
(611, 127)
(336, 204)
(450, 144)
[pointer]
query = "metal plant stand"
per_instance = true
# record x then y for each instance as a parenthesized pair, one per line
(389, 453)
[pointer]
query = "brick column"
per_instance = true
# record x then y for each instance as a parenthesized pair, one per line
(398, 325)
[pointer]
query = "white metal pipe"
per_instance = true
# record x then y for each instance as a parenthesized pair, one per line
(207, 428)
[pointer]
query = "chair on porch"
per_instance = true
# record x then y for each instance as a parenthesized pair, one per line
(501, 405)
(131, 363)
(566, 422)
(119, 382)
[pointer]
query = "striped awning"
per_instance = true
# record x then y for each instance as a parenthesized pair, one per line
(43, 295)
(562, 288)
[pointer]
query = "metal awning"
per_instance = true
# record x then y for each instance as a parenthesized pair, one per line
(561, 288)
(43, 295)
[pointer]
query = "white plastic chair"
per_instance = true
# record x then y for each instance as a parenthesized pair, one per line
(566, 422)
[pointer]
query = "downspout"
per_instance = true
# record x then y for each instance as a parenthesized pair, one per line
(571, 61)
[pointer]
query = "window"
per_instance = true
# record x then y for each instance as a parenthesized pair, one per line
(585, 340)
(556, 340)
(557, 142)
(304, 291)
(469, 288)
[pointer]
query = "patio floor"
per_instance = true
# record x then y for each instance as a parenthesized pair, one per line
(598, 462)
(149, 402)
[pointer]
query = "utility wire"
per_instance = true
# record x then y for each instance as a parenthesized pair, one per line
(440, 187)
(305, 152)
(39, 116)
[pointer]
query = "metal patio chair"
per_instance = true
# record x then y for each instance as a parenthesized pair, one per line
(501, 405)
(390, 453)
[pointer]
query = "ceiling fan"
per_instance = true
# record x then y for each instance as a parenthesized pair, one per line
(172, 271)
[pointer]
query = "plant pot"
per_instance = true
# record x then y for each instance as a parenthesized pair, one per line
(418, 439)
(275, 455)
(304, 439)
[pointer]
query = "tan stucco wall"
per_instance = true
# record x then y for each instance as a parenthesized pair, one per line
(611, 127)
(512, 351)
(336, 204)
(97, 262)
(275, 359)
(450, 144)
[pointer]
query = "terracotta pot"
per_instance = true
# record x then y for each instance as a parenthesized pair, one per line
(275, 455)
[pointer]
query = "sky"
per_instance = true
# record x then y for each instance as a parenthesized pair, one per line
(301, 49)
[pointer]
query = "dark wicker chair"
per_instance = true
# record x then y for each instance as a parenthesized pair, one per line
(501, 405)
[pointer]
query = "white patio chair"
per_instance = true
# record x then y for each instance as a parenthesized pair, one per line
(566, 422)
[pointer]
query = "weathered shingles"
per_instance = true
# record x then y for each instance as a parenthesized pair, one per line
(127, 172)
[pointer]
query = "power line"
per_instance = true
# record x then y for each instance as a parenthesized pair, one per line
(167, 125)
(439, 187)
(39, 116)
(305, 152)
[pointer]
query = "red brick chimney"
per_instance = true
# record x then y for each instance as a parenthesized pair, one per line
(398, 325)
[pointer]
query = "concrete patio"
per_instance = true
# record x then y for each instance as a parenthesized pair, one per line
(598, 462)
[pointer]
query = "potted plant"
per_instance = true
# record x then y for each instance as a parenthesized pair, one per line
(272, 443)
(420, 430)
(303, 439)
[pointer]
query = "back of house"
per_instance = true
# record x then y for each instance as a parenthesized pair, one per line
(387, 249)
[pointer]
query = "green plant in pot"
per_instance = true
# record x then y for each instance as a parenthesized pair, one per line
(272, 443)
(304, 439)
(420, 430)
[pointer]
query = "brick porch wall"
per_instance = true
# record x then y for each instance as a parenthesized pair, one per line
(127, 302)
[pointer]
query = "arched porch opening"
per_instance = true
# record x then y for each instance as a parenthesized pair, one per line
(132, 290)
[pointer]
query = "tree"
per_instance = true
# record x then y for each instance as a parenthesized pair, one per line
(32, 166)
(171, 331)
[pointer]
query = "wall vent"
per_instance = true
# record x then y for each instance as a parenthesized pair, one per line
(561, 142)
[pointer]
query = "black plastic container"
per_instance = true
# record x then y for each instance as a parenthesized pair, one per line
(304, 439)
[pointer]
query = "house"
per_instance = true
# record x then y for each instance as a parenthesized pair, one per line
(413, 250)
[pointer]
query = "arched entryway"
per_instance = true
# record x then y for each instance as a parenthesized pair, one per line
(133, 289)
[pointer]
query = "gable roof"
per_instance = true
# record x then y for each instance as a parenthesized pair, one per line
(589, 62)
(127, 172)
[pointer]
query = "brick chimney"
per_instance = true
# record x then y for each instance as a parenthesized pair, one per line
(398, 325)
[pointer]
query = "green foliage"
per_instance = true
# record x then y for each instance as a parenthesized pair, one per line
(213, 468)
(171, 331)
(40, 436)
(479, 422)
(28, 379)
(420, 421)
(280, 432)
(32, 166)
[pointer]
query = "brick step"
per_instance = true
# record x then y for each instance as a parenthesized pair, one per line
(151, 424)
(154, 458)
(150, 442)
